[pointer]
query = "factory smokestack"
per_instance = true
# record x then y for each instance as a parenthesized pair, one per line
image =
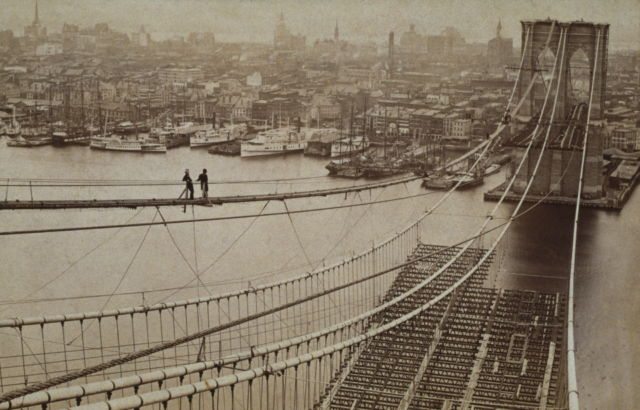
(391, 56)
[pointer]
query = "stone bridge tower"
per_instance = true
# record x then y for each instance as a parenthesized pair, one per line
(580, 35)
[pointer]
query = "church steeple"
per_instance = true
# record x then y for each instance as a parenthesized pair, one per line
(498, 29)
(336, 33)
(36, 21)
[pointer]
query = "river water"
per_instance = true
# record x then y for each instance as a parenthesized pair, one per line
(91, 270)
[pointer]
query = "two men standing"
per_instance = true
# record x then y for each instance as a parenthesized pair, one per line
(204, 183)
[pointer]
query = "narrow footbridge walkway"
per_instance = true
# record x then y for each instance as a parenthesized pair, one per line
(156, 202)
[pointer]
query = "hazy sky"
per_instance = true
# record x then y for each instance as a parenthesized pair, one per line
(359, 20)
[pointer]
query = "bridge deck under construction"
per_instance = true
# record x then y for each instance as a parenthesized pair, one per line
(154, 202)
(478, 348)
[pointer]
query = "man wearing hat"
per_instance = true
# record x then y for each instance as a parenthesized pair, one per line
(189, 182)
(204, 183)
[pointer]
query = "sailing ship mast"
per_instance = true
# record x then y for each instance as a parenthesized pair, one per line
(81, 108)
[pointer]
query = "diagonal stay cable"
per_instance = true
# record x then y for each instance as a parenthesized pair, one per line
(121, 278)
(176, 245)
(198, 275)
(313, 268)
(75, 263)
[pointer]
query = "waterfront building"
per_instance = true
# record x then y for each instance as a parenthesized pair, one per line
(624, 139)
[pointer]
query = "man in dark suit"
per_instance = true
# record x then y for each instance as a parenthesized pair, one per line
(204, 183)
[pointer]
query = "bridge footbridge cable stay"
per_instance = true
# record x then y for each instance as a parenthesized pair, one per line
(463, 306)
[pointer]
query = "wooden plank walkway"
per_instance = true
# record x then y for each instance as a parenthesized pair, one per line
(154, 202)
(478, 348)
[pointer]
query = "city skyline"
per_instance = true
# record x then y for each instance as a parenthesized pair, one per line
(360, 22)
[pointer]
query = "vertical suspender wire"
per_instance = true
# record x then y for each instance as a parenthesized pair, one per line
(284, 388)
(119, 347)
(162, 338)
(133, 341)
(249, 325)
(175, 349)
(229, 315)
(239, 344)
(262, 380)
(571, 359)
(44, 352)
(24, 367)
(273, 328)
(209, 327)
(195, 247)
(104, 372)
(324, 300)
(84, 355)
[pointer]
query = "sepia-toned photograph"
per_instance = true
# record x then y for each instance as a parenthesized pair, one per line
(319, 204)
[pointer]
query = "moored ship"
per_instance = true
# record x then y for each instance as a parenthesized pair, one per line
(120, 144)
(277, 141)
(35, 141)
(213, 136)
(348, 146)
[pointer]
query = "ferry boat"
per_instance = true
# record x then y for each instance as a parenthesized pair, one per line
(206, 138)
(118, 144)
(348, 146)
(273, 142)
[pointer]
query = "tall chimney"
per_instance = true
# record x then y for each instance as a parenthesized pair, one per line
(391, 56)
